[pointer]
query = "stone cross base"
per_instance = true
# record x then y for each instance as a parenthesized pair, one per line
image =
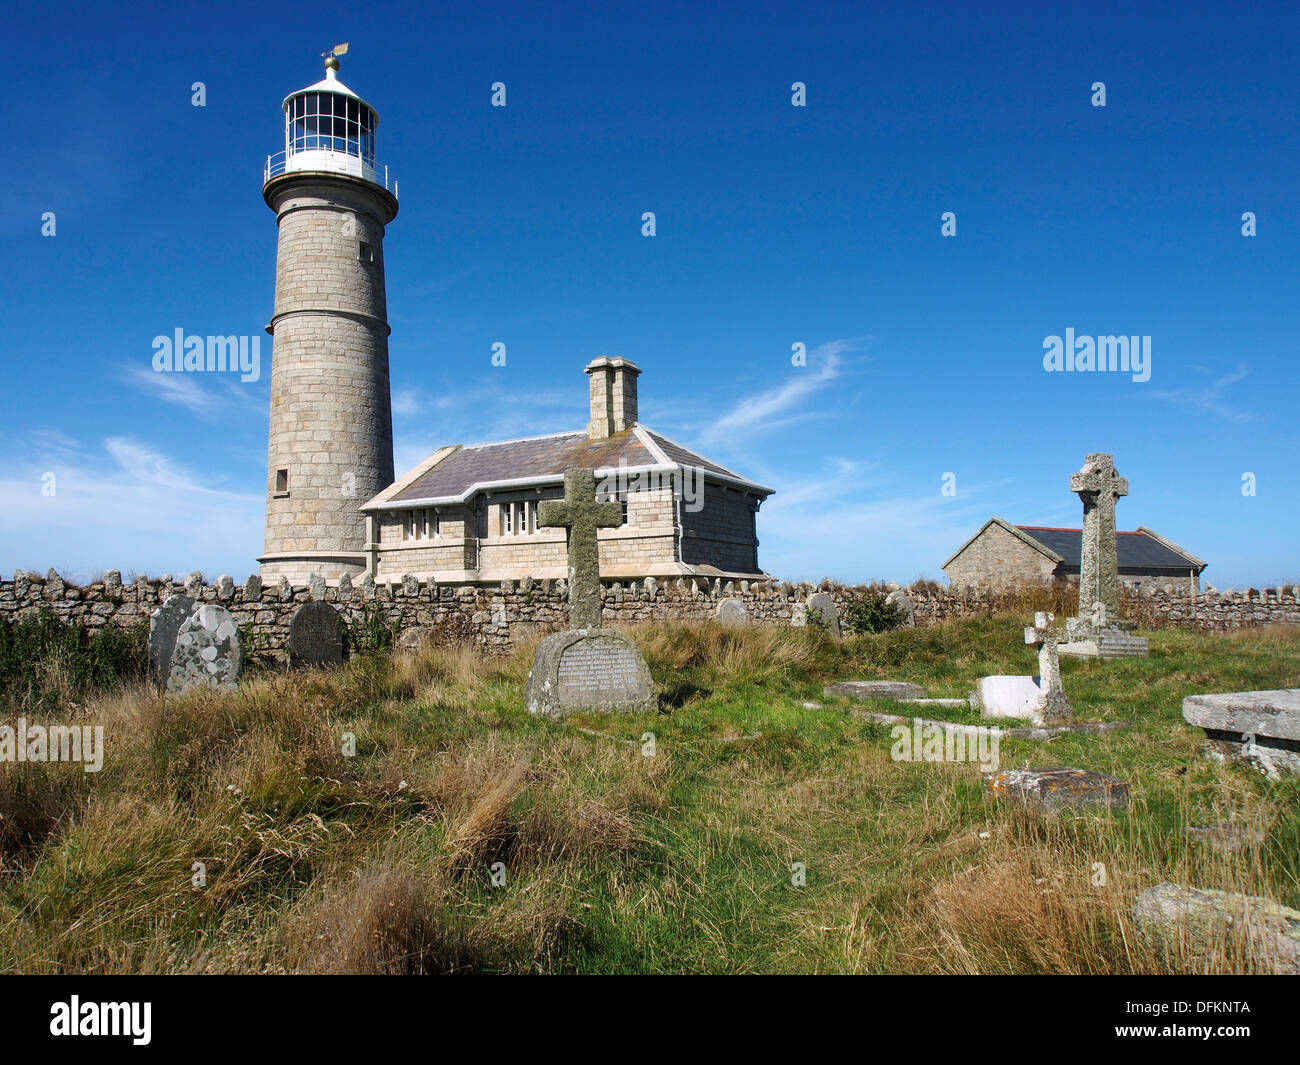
(1101, 643)
(595, 670)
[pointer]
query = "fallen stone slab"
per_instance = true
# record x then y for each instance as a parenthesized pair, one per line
(1226, 838)
(1046, 732)
(1198, 918)
(1259, 728)
(935, 702)
(866, 690)
(1058, 788)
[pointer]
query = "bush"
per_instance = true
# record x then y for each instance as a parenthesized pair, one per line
(43, 660)
(370, 631)
(871, 613)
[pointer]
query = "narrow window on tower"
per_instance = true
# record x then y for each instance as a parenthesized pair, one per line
(367, 253)
(281, 482)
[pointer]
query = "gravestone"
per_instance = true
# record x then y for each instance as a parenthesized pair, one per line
(1184, 918)
(1260, 729)
(586, 667)
(822, 612)
(208, 650)
(1041, 699)
(163, 626)
(316, 635)
(1058, 788)
(732, 612)
(906, 609)
(1094, 633)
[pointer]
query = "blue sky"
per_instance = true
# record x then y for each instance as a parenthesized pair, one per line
(775, 225)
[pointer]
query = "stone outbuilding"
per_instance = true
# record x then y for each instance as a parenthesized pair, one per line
(1002, 553)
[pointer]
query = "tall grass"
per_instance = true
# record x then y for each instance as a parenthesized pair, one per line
(236, 831)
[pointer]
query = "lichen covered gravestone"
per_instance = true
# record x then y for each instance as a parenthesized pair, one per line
(1058, 788)
(1193, 920)
(316, 635)
(1094, 632)
(586, 667)
(208, 650)
(163, 626)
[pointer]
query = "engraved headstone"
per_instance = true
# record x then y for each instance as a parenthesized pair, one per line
(163, 626)
(208, 650)
(586, 667)
(316, 635)
(906, 609)
(589, 669)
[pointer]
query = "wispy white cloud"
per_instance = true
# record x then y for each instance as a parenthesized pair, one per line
(1209, 400)
(782, 405)
(207, 395)
(121, 505)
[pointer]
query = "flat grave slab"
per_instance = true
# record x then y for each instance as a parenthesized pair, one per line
(1259, 728)
(866, 690)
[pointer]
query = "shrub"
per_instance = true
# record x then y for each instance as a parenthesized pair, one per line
(370, 631)
(871, 613)
(43, 660)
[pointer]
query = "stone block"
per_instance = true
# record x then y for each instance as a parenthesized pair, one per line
(1058, 788)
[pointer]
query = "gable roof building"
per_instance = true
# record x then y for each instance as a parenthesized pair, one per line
(1002, 553)
(469, 513)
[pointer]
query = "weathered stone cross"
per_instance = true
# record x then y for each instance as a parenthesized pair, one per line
(582, 515)
(1054, 706)
(1100, 487)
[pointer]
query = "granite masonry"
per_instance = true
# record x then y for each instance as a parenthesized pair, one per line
(495, 616)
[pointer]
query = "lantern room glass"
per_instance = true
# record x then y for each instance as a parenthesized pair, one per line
(330, 121)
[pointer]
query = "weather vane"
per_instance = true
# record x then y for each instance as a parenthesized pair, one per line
(337, 50)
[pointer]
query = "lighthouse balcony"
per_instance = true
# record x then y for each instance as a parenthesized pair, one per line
(328, 161)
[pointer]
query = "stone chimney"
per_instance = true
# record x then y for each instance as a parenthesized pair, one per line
(613, 396)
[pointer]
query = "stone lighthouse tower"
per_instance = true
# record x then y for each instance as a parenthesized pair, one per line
(331, 439)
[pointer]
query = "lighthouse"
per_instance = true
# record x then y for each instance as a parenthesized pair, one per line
(331, 426)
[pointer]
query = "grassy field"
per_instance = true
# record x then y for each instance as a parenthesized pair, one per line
(615, 861)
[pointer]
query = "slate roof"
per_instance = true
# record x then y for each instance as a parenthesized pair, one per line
(686, 457)
(1136, 550)
(546, 458)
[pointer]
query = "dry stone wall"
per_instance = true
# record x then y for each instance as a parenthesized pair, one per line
(497, 616)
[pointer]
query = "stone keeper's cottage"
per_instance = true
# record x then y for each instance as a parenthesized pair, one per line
(469, 513)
